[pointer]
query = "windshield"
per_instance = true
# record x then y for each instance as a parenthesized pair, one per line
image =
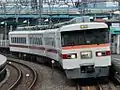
(84, 37)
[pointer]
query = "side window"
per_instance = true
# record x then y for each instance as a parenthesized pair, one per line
(36, 40)
(39, 40)
(12, 40)
(31, 40)
(53, 42)
(21, 40)
(50, 41)
(15, 40)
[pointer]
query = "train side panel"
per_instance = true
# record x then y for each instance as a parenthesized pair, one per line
(36, 43)
(52, 50)
(18, 42)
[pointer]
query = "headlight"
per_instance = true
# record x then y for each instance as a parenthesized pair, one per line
(86, 55)
(69, 56)
(73, 56)
(99, 54)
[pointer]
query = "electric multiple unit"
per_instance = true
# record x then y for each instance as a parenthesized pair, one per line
(82, 49)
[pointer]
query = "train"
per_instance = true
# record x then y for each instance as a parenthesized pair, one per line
(81, 49)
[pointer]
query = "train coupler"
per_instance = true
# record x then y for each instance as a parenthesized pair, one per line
(87, 69)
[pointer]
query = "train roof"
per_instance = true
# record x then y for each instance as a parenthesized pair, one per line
(83, 26)
(69, 27)
(32, 32)
(26, 32)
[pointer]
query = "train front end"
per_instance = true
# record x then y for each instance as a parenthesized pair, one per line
(85, 52)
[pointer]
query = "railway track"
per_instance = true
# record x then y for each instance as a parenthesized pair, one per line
(29, 76)
(18, 79)
(108, 86)
(92, 87)
(47, 77)
(12, 81)
(26, 77)
(98, 86)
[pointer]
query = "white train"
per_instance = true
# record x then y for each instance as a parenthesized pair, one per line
(82, 49)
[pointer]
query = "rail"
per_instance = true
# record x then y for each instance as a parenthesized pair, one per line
(33, 72)
(19, 77)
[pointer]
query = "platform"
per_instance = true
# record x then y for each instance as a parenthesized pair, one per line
(3, 59)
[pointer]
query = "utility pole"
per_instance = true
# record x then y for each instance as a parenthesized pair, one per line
(40, 11)
(16, 11)
(51, 5)
(83, 7)
(5, 23)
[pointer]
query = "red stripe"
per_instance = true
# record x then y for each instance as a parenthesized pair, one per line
(40, 48)
(84, 46)
(34, 47)
(31, 47)
(52, 50)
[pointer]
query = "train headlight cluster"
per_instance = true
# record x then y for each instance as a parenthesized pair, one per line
(73, 56)
(103, 53)
(99, 54)
(69, 56)
(86, 55)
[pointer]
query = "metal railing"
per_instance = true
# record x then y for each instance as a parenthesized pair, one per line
(4, 43)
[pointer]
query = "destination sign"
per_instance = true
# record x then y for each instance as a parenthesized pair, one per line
(83, 26)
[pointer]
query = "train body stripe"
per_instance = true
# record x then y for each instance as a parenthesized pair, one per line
(52, 50)
(31, 47)
(22, 46)
(40, 48)
(84, 46)
(34, 47)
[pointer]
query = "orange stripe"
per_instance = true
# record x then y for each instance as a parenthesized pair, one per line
(84, 46)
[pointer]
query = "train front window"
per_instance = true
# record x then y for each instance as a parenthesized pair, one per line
(84, 37)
